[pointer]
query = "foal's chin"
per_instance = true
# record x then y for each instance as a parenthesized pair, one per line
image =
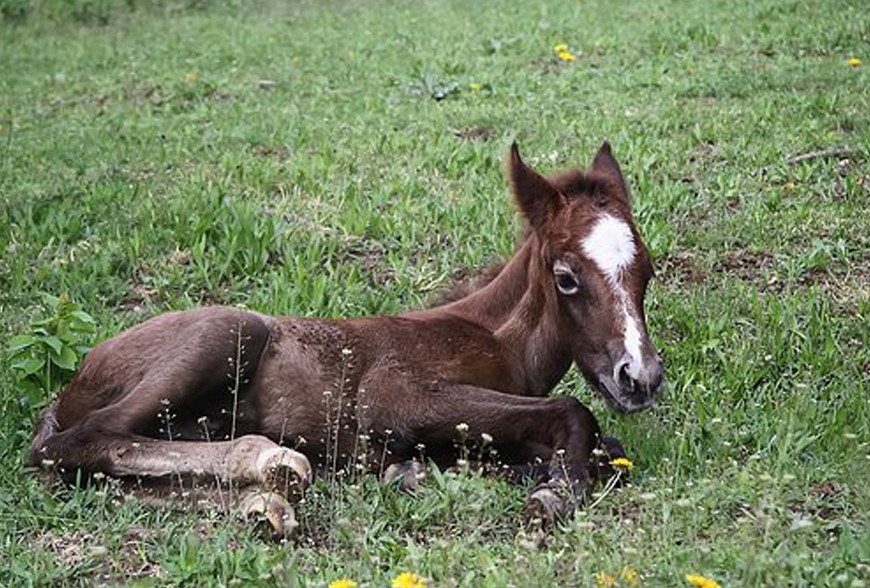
(620, 400)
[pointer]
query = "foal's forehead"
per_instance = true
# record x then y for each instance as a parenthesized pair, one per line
(610, 244)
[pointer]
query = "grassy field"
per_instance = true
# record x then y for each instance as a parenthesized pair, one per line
(343, 158)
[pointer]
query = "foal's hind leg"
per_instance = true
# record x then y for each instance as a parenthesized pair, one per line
(186, 372)
(270, 478)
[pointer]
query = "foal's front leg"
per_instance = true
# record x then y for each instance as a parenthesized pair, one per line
(559, 431)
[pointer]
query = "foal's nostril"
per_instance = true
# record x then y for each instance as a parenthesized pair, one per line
(646, 382)
(626, 382)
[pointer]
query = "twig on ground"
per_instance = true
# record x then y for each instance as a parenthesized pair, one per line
(821, 154)
(840, 151)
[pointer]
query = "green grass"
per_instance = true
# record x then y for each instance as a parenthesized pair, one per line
(294, 158)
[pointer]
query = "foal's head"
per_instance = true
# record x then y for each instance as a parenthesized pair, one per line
(597, 268)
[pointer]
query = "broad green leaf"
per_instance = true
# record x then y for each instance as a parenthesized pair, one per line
(19, 342)
(66, 359)
(83, 317)
(53, 342)
(50, 300)
(31, 366)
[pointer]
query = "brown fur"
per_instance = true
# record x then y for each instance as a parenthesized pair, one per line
(178, 393)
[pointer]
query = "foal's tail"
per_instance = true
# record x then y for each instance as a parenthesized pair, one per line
(46, 427)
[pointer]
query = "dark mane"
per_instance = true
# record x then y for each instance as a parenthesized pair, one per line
(576, 181)
(464, 286)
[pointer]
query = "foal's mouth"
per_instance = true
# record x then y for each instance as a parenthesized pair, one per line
(625, 399)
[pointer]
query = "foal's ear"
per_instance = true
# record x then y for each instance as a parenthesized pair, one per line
(535, 196)
(605, 163)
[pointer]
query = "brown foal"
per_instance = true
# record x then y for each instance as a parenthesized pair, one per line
(223, 393)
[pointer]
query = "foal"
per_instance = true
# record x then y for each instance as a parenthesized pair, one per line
(223, 393)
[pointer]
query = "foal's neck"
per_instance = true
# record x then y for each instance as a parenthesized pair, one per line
(521, 311)
(493, 305)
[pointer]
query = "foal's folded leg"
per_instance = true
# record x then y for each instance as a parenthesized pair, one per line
(559, 431)
(270, 478)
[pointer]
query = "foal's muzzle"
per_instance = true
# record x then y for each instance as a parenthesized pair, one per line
(633, 385)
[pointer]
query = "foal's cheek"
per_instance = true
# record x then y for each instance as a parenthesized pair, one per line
(590, 331)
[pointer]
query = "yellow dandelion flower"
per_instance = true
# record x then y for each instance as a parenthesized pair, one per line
(630, 575)
(560, 48)
(408, 580)
(567, 56)
(191, 78)
(701, 582)
(622, 463)
(854, 62)
(476, 87)
(343, 583)
(603, 580)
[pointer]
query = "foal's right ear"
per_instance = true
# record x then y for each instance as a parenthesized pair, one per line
(535, 196)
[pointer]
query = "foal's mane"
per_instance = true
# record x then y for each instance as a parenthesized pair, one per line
(461, 287)
(578, 182)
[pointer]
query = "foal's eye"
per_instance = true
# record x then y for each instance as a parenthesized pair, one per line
(566, 283)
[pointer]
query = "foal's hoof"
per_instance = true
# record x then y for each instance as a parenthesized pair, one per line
(545, 506)
(407, 474)
(286, 472)
(609, 449)
(612, 447)
(272, 512)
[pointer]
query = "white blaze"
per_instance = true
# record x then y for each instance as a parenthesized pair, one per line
(610, 245)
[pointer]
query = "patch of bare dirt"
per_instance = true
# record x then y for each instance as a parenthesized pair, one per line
(473, 134)
(106, 566)
(749, 266)
(844, 286)
(371, 256)
(280, 152)
(704, 154)
(144, 285)
(678, 269)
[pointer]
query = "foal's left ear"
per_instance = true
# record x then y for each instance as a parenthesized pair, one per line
(535, 196)
(605, 163)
